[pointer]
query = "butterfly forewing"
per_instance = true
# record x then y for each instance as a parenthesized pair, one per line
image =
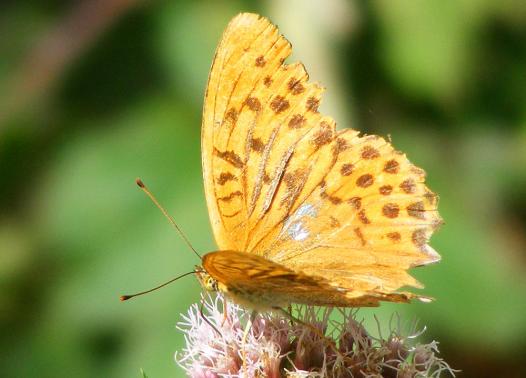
(250, 52)
(262, 284)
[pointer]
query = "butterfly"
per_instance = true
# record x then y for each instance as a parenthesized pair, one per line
(302, 213)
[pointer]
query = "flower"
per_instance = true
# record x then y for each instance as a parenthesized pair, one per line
(308, 345)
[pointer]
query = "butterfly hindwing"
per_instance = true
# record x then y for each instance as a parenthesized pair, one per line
(365, 224)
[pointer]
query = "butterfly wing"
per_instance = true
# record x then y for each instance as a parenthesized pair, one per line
(254, 115)
(283, 184)
(367, 222)
(262, 284)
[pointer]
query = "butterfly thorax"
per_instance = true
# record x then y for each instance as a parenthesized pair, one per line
(205, 279)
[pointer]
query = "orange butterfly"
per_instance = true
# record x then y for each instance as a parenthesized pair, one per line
(302, 213)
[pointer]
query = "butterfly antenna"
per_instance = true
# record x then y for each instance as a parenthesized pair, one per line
(130, 296)
(165, 213)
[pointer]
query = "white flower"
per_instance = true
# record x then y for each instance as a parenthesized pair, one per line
(276, 346)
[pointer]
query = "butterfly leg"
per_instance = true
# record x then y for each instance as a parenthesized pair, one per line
(243, 341)
(313, 328)
(205, 318)
(225, 311)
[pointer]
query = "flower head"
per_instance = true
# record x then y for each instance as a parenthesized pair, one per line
(308, 345)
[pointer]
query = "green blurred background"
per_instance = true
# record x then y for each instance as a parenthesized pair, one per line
(95, 93)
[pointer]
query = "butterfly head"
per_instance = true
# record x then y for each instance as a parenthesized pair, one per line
(206, 280)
